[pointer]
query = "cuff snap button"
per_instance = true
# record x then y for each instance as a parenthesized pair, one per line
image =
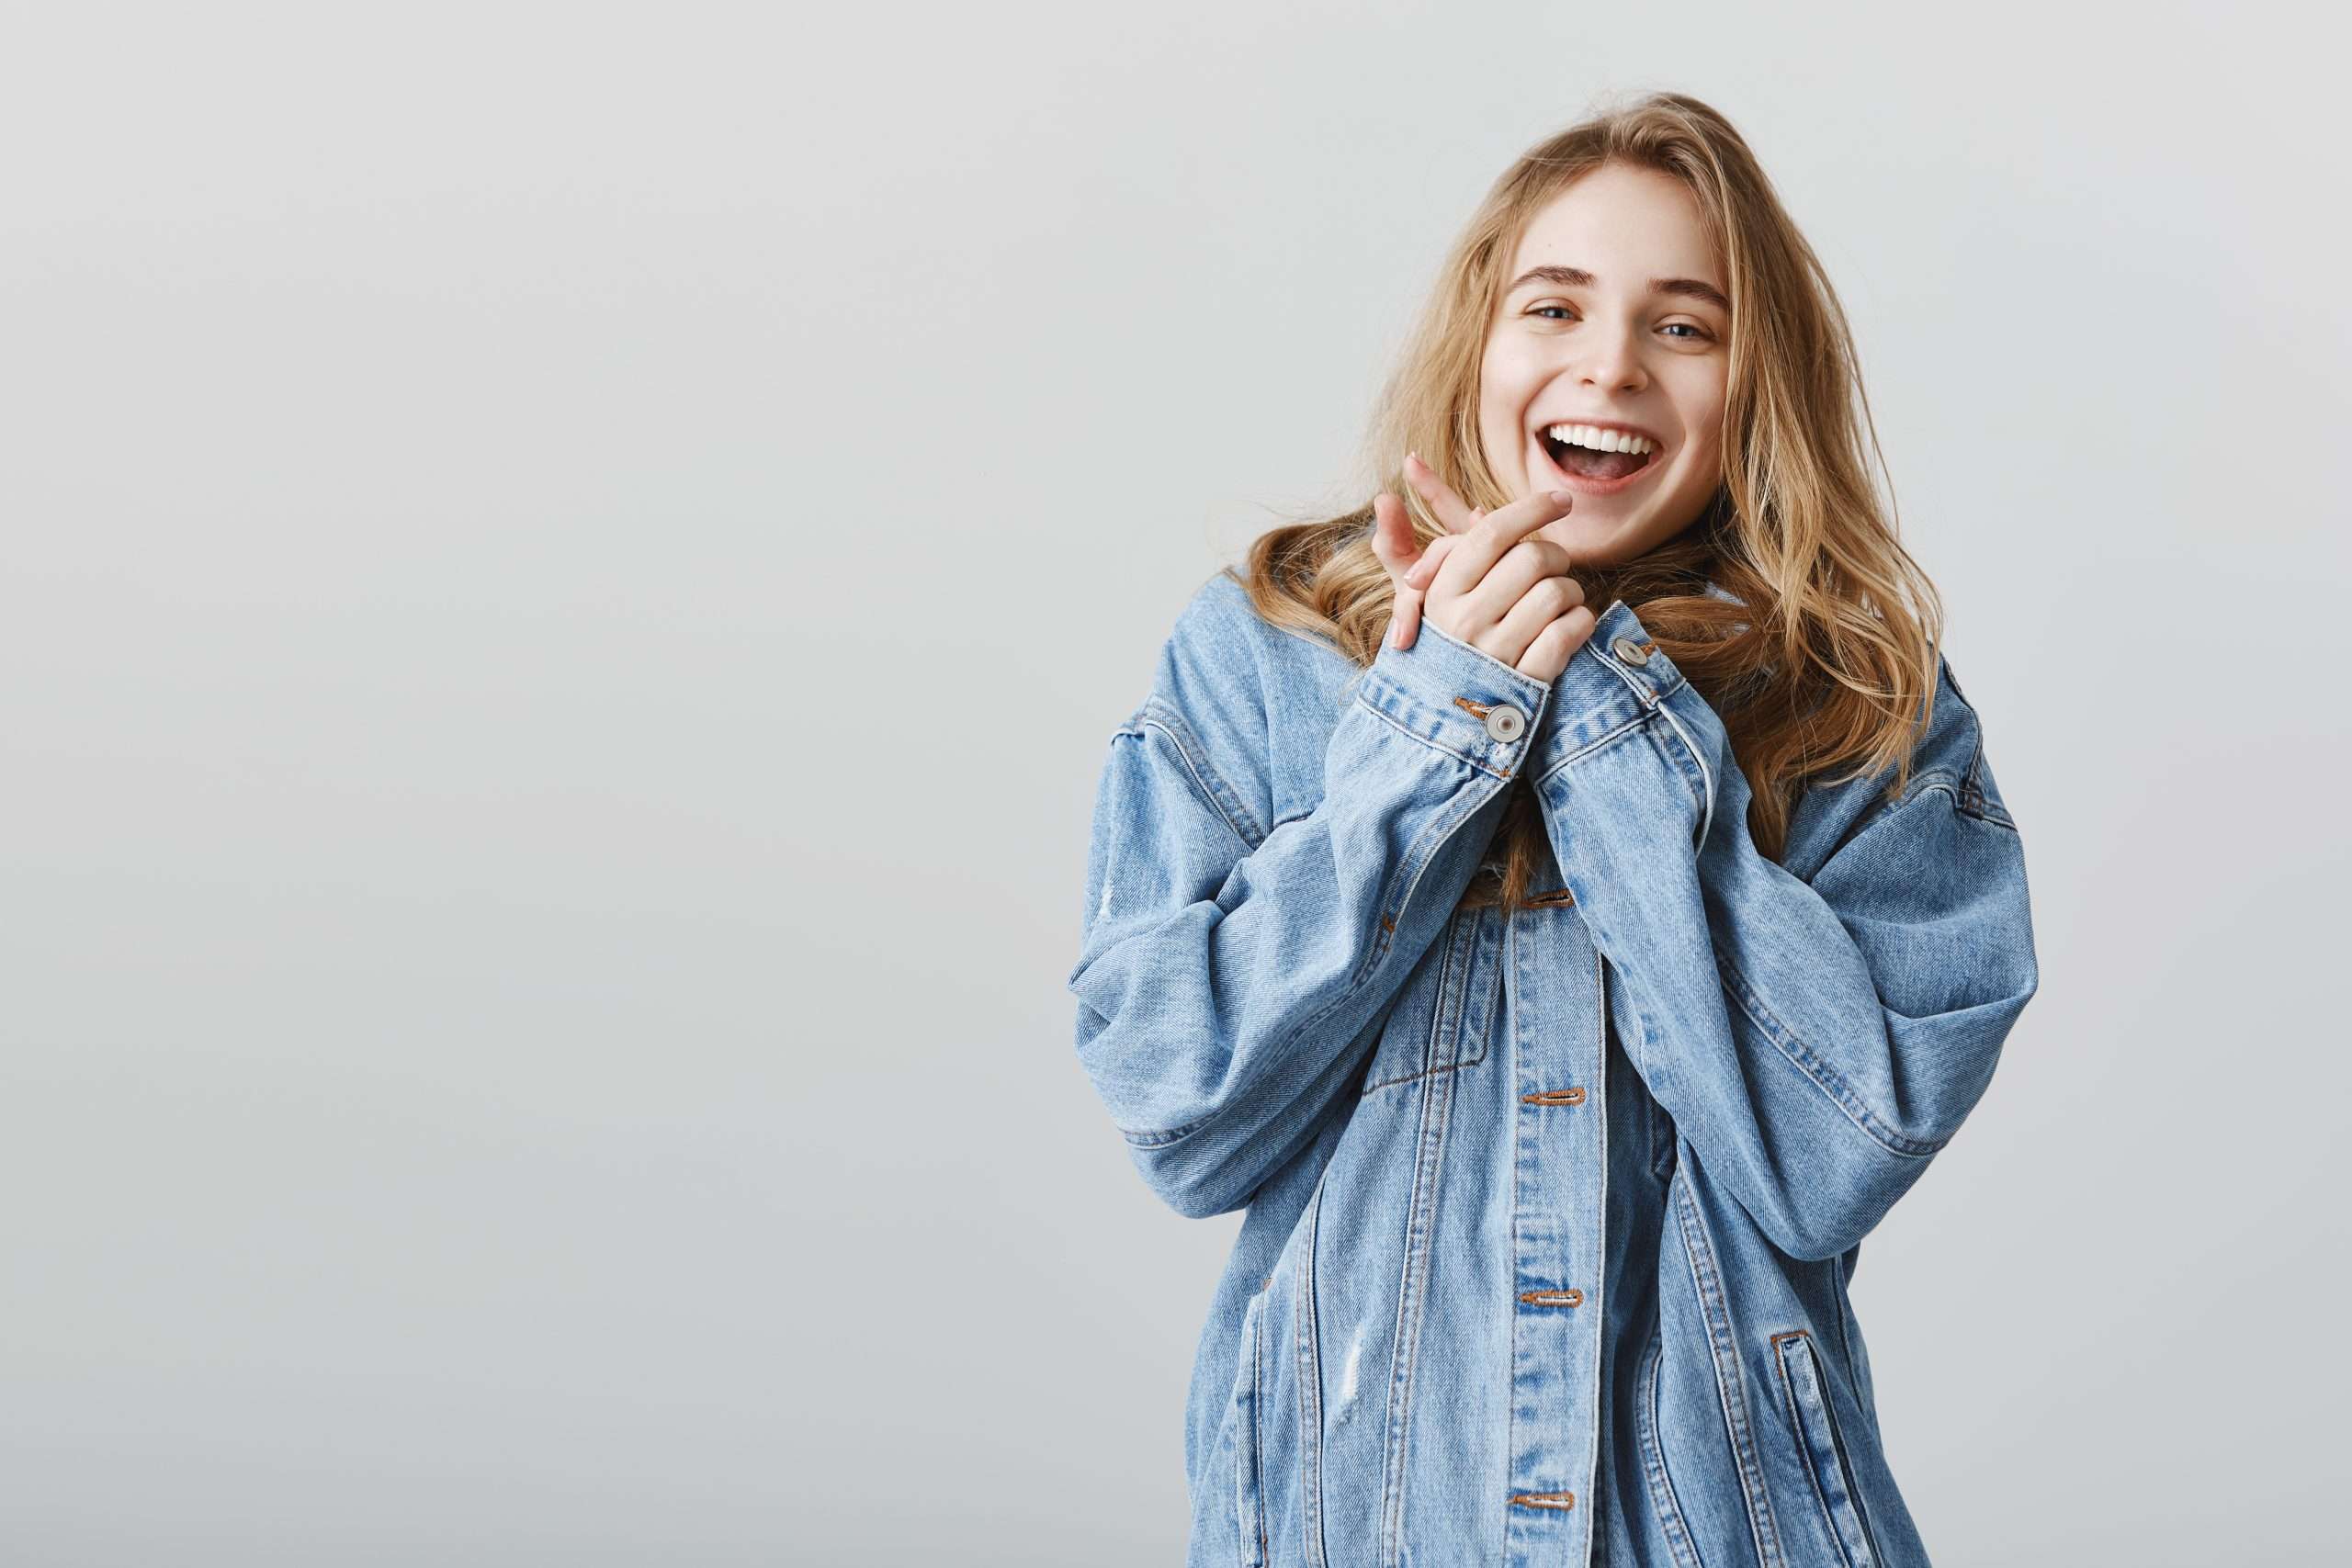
(1504, 722)
(1629, 651)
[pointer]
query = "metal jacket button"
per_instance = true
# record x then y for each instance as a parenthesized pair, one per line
(1629, 651)
(1504, 722)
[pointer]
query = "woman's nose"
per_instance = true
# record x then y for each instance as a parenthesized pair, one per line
(1610, 361)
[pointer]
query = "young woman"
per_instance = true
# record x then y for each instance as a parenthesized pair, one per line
(1567, 903)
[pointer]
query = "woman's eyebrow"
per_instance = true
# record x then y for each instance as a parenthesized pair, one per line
(1577, 278)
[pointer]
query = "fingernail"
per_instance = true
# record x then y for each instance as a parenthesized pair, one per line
(1563, 495)
(1413, 459)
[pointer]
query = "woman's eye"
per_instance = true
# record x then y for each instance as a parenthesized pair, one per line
(1691, 330)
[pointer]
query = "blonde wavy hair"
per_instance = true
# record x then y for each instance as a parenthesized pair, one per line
(1828, 653)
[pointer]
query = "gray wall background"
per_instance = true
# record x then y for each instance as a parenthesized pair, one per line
(568, 571)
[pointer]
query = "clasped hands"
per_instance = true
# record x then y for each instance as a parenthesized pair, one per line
(1486, 581)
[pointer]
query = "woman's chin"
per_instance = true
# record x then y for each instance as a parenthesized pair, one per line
(1587, 546)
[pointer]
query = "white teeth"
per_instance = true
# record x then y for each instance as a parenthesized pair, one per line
(1600, 440)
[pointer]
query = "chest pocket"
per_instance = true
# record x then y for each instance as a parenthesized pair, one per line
(1441, 1018)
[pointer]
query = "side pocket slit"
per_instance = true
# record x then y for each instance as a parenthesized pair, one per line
(1249, 1462)
(1816, 1426)
(1676, 1529)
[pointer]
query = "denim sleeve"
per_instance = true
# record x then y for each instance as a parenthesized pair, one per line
(1817, 1031)
(1229, 971)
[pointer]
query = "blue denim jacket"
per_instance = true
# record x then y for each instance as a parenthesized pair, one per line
(1550, 1218)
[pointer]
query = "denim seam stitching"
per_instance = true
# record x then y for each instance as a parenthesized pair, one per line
(1435, 745)
(1509, 962)
(1255, 1523)
(1450, 938)
(1700, 790)
(1723, 1347)
(1469, 940)
(1212, 784)
(1599, 743)
(1381, 945)
(1706, 773)
(1817, 1071)
(1928, 781)
(1590, 1476)
(1309, 1367)
(1437, 1105)
(1971, 800)
(1804, 1439)
(1837, 1450)
(1965, 800)
(1671, 1523)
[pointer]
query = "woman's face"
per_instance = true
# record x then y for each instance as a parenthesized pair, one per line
(1615, 314)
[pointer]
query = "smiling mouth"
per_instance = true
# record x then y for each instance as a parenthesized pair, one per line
(1600, 467)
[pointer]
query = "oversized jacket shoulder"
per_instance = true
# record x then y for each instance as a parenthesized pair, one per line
(1948, 756)
(1209, 696)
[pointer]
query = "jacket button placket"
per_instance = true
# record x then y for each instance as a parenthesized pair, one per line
(1561, 1140)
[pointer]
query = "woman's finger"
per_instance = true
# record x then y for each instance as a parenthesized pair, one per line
(1405, 619)
(1393, 542)
(1418, 576)
(1395, 546)
(1450, 508)
(1392, 535)
(1406, 615)
(1492, 536)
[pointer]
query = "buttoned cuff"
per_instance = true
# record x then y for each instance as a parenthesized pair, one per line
(1617, 678)
(1456, 698)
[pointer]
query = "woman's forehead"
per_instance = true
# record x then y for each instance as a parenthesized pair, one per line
(1614, 225)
